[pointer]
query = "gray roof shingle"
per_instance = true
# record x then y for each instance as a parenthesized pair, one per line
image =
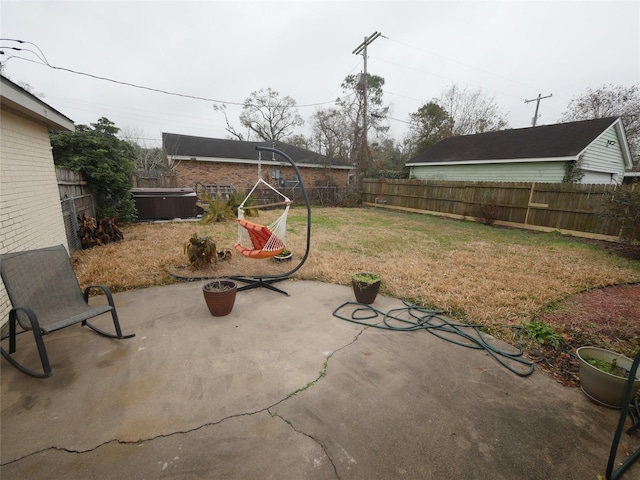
(547, 141)
(190, 146)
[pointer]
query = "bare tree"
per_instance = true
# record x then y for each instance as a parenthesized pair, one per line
(331, 132)
(270, 116)
(147, 157)
(610, 101)
(230, 128)
(472, 111)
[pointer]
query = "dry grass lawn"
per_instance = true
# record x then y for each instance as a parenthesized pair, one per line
(487, 275)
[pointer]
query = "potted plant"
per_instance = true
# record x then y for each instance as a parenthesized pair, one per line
(365, 286)
(284, 256)
(220, 295)
(201, 251)
(604, 376)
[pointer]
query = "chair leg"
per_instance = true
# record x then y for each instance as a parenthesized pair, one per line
(12, 333)
(38, 337)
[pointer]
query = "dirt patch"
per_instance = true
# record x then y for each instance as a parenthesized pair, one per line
(606, 317)
(623, 249)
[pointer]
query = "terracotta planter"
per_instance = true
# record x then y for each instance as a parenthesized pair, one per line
(604, 388)
(220, 295)
(365, 291)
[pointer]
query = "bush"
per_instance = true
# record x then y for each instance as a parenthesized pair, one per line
(543, 333)
(217, 210)
(236, 199)
(623, 205)
(486, 212)
(104, 160)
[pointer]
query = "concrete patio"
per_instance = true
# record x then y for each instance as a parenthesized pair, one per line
(282, 389)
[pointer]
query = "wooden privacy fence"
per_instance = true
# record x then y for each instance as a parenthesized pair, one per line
(569, 208)
(154, 179)
(76, 200)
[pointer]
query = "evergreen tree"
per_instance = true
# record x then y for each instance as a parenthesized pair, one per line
(106, 162)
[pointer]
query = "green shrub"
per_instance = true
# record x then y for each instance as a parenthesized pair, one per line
(608, 367)
(543, 333)
(105, 161)
(216, 211)
(236, 199)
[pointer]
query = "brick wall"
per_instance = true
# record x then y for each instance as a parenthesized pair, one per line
(30, 211)
(244, 176)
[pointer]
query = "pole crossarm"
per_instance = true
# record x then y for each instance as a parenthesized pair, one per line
(537, 100)
(367, 41)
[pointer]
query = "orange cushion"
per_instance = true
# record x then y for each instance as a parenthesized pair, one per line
(259, 235)
(247, 252)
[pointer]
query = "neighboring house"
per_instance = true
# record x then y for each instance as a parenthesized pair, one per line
(215, 161)
(536, 154)
(31, 214)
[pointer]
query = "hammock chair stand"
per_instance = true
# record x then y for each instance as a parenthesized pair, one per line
(267, 281)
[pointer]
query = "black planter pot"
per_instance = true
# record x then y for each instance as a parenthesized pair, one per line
(365, 292)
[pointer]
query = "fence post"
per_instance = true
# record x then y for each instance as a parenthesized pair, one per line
(381, 193)
(526, 218)
(532, 204)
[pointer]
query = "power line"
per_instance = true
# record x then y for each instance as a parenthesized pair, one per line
(43, 61)
(461, 63)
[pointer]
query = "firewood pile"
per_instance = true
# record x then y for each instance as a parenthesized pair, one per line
(92, 234)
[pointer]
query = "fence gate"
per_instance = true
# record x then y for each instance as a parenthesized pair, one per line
(72, 208)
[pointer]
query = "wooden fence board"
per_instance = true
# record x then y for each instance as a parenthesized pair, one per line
(548, 206)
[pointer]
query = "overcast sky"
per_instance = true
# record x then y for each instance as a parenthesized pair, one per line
(512, 51)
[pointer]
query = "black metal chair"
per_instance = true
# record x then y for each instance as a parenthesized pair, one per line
(45, 297)
(627, 410)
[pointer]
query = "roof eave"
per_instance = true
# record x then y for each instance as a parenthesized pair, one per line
(16, 99)
(494, 160)
(254, 162)
(626, 151)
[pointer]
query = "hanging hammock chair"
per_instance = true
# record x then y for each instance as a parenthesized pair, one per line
(260, 241)
(266, 238)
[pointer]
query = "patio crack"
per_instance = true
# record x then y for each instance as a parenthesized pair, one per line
(314, 439)
(322, 374)
(267, 409)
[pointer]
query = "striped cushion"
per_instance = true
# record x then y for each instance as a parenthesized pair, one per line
(259, 235)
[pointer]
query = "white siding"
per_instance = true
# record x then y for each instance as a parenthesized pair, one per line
(30, 210)
(591, 178)
(604, 155)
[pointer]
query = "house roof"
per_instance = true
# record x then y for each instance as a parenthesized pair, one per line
(16, 99)
(548, 141)
(204, 147)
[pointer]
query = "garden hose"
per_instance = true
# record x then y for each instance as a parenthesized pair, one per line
(412, 317)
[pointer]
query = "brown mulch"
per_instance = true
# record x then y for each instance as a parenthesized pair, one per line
(606, 318)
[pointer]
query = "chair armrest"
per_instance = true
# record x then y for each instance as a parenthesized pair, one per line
(104, 289)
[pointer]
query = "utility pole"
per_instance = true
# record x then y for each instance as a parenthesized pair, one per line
(362, 48)
(537, 100)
